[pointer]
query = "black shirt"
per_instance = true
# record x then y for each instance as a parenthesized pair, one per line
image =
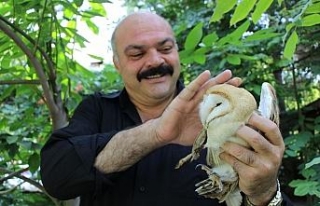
(67, 161)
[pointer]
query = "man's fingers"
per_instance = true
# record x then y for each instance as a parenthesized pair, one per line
(236, 81)
(268, 127)
(189, 92)
(243, 154)
(221, 78)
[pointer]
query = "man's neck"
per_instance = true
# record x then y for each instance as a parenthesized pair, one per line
(153, 109)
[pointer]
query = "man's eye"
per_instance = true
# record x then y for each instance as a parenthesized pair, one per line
(166, 49)
(136, 55)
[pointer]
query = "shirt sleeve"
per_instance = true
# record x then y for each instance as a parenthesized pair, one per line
(67, 158)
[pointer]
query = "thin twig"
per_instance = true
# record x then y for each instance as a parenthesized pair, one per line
(17, 81)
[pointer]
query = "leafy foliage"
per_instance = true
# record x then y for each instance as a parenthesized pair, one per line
(40, 84)
(260, 40)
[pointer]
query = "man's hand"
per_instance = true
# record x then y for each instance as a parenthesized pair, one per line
(180, 122)
(257, 168)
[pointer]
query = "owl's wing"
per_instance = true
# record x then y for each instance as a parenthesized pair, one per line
(268, 105)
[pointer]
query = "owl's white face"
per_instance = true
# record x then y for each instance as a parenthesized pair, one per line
(213, 106)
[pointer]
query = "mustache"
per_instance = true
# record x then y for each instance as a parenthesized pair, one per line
(159, 70)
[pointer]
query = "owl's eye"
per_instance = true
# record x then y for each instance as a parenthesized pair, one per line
(218, 104)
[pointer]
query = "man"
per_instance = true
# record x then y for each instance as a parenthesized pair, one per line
(121, 149)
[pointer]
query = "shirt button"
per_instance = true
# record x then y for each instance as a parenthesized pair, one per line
(142, 189)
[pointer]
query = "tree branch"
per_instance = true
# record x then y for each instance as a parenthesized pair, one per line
(58, 115)
(13, 174)
(12, 82)
(28, 180)
(51, 66)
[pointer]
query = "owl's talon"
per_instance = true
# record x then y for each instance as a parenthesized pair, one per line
(212, 184)
(205, 168)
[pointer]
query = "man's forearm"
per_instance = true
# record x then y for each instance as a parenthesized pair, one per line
(126, 148)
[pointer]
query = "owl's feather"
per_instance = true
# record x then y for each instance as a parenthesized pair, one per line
(223, 110)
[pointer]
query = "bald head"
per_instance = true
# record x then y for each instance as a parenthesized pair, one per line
(147, 20)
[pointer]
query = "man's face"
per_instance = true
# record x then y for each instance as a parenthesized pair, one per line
(147, 57)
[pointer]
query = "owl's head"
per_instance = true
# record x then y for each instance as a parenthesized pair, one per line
(226, 101)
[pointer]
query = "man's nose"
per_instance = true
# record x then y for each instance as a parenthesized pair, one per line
(154, 59)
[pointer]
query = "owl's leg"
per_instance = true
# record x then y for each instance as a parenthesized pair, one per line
(184, 160)
(212, 184)
(216, 185)
(198, 145)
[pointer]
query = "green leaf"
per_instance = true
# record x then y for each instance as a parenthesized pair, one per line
(315, 161)
(34, 162)
(261, 7)
(242, 11)
(210, 39)
(194, 37)
(78, 2)
(92, 26)
(303, 187)
(222, 8)
(12, 149)
(291, 153)
(185, 53)
(234, 37)
(100, 1)
(250, 58)
(199, 58)
(233, 59)
(262, 34)
(289, 27)
(7, 92)
(89, 14)
(12, 139)
(313, 8)
(291, 45)
(97, 7)
(311, 20)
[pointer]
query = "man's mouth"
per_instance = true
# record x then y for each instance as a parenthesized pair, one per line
(154, 76)
(155, 72)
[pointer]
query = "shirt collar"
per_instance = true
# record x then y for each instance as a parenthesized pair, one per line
(127, 106)
(124, 96)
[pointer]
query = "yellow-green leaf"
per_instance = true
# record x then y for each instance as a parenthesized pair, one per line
(100, 1)
(199, 58)
(233, 59)
(262, 35)
(261, 7)
(210, 39)
(291, 45)
(222, 7)
(194, 37)
(311, 20)
(234, 37)
(242, 11)
(313, 8)
(289, 27)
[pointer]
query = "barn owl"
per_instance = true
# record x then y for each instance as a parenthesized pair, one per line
(222, 111)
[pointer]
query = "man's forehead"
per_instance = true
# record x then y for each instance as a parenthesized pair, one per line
(141, 28)
(143, 17)
(159, 43)
(142, 22)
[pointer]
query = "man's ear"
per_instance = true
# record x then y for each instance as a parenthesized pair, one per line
(116, 62)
